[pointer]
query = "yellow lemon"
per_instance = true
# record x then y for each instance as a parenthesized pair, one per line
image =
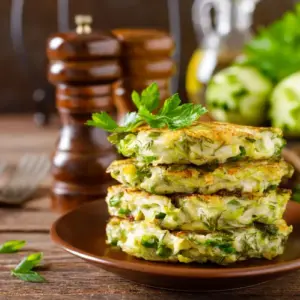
(192, 84)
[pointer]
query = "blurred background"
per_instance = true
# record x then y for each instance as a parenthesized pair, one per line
(20, 81)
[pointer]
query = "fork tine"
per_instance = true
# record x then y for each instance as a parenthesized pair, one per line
(29, 164)
(30, 170)
(3, 166)
(40, 169)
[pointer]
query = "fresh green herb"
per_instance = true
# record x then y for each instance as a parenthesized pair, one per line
(149, 98)
(153, 189)
(124, 211)
(275, 51)
(149, 241)
(278, 149)
(224, 246)
(271, 229)
(234, 202)
(105, 121)
(243, 151)
(173, 114)
(272, 187)
(160, 216)
(163, 251)
(296, 193)
(143, 172)
(149, 159)
(239, 156)
(149, 145)
(30, 276)
(24, 271)
(114, 201)
(211, 243)
(114, 242)
(29, 262)
(12, 246)
(227, 248)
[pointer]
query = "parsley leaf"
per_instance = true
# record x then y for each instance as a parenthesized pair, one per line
(275, 50)
(149, 159)
(29, 262)
(173, 114)
(24, 271)
(185, 115)
(170, 104)
(155, 121)
(12, 246)
(150, 97)
(131, 121)
(104, 121)
(30, 276)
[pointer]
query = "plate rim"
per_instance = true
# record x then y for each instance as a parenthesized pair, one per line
(169, 269)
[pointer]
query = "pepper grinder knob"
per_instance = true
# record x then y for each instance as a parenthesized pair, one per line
(83, 23)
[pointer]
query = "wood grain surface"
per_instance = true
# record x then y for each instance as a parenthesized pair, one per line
(69, 277)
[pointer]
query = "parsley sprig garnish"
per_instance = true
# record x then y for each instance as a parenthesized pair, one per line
(275, 49)
(24, 270)
(12, 246)
(172, 115)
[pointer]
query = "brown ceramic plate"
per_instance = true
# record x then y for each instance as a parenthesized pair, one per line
(82, 233)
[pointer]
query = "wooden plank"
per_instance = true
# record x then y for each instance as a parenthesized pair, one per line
(39, 201)
(89, 281)
(17, 219)
(22, 136)
(71, 278)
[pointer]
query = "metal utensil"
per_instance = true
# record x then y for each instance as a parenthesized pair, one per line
(30, 171)
(3, 166)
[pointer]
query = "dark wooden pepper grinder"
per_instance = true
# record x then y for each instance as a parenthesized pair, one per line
(146, 58)
(83, 65)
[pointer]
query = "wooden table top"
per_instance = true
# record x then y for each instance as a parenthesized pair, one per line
(69, 277)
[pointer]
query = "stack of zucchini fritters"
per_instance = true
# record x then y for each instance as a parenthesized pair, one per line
(208, 192)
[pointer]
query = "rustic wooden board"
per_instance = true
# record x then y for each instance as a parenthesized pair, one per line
(71, 278)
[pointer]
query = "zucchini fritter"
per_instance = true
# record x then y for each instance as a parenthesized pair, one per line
(199, 144)
(146, 240)
(253, 177)
(197, 212)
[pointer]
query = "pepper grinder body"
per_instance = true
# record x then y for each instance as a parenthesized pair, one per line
(83, 67)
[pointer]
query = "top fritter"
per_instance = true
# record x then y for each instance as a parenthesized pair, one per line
(199, 144)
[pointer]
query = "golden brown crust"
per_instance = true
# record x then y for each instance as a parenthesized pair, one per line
(214, 130)
(207, 198)
(186, 170)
